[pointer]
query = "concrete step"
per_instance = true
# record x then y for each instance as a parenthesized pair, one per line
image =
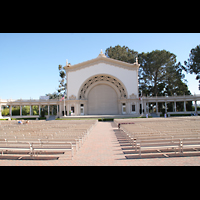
(51, 117)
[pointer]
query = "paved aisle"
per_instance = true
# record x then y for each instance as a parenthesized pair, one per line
(100, 148)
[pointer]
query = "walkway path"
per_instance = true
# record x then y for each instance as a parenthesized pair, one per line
(101, 147)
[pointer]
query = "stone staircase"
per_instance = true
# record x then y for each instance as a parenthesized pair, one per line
(154, 115)
(51, 117)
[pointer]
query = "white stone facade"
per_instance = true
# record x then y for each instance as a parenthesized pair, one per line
(102, 86)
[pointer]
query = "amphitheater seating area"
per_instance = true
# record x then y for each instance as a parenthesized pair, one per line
(170, 137)
(43, 139)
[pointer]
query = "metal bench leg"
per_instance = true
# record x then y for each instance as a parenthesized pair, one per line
(72, 153)
(140, 152)
(31, 150)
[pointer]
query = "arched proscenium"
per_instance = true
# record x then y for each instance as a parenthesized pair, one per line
(102, 78)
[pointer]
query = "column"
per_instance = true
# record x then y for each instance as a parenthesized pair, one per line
(77, 109)
(0, 112)
(52, 110)
(57, 110)
(137, 107)
(48, 110)
(39, 110)
(10, 110)
(144, 108)
(147, 108)
(174, 106)
(184, 106)
(30, 110)
(20, 107)
(60, 110)
(157, 107)
(165, 107)
(195, 106)
(68, 108)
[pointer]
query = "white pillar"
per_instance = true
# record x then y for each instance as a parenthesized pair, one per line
(156, 107)
(195, 106)
(39, 110)
(147, 107)
(142, 107)
(64, 107)
(20, 107)
(30, 110)
(184, 106)
(48, 110)
(165, 107)
(174, 106)
(10, 110)
(0, 111)
(60, 110)
(77, 109)
(68, 108)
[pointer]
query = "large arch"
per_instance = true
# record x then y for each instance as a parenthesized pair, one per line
(102, 100)
(112, 81)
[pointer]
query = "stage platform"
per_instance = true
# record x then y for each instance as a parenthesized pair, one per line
(100, 116)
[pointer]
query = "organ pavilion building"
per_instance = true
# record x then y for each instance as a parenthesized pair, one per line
(102, 86)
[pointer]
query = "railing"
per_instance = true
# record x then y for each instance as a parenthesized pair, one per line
(184, 97)
(27, 100)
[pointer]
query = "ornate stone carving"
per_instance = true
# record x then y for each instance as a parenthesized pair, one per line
(100, 78)
(133, 96)
(72, 97)
(102, 54)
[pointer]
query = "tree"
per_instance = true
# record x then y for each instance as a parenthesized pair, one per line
(154, 68)
(158, 73)
(193, 63)
(174, 82)
(121, 53)
(62, 83)
(5, 111)
(54, 95)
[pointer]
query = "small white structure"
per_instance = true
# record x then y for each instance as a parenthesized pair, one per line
(102, 86)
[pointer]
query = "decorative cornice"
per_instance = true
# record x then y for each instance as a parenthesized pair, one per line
(102, 78)
(102, 59)
(72, 97)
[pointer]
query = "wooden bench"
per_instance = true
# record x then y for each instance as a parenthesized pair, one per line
(33, 148)
(179, 144)
(159, 144)
(190, 143)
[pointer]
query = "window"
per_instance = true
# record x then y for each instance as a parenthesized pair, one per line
(82, 109)
(133, 108)
(72, 109)
(123, 108)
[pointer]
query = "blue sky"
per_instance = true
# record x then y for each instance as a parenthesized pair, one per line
(29, 61)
